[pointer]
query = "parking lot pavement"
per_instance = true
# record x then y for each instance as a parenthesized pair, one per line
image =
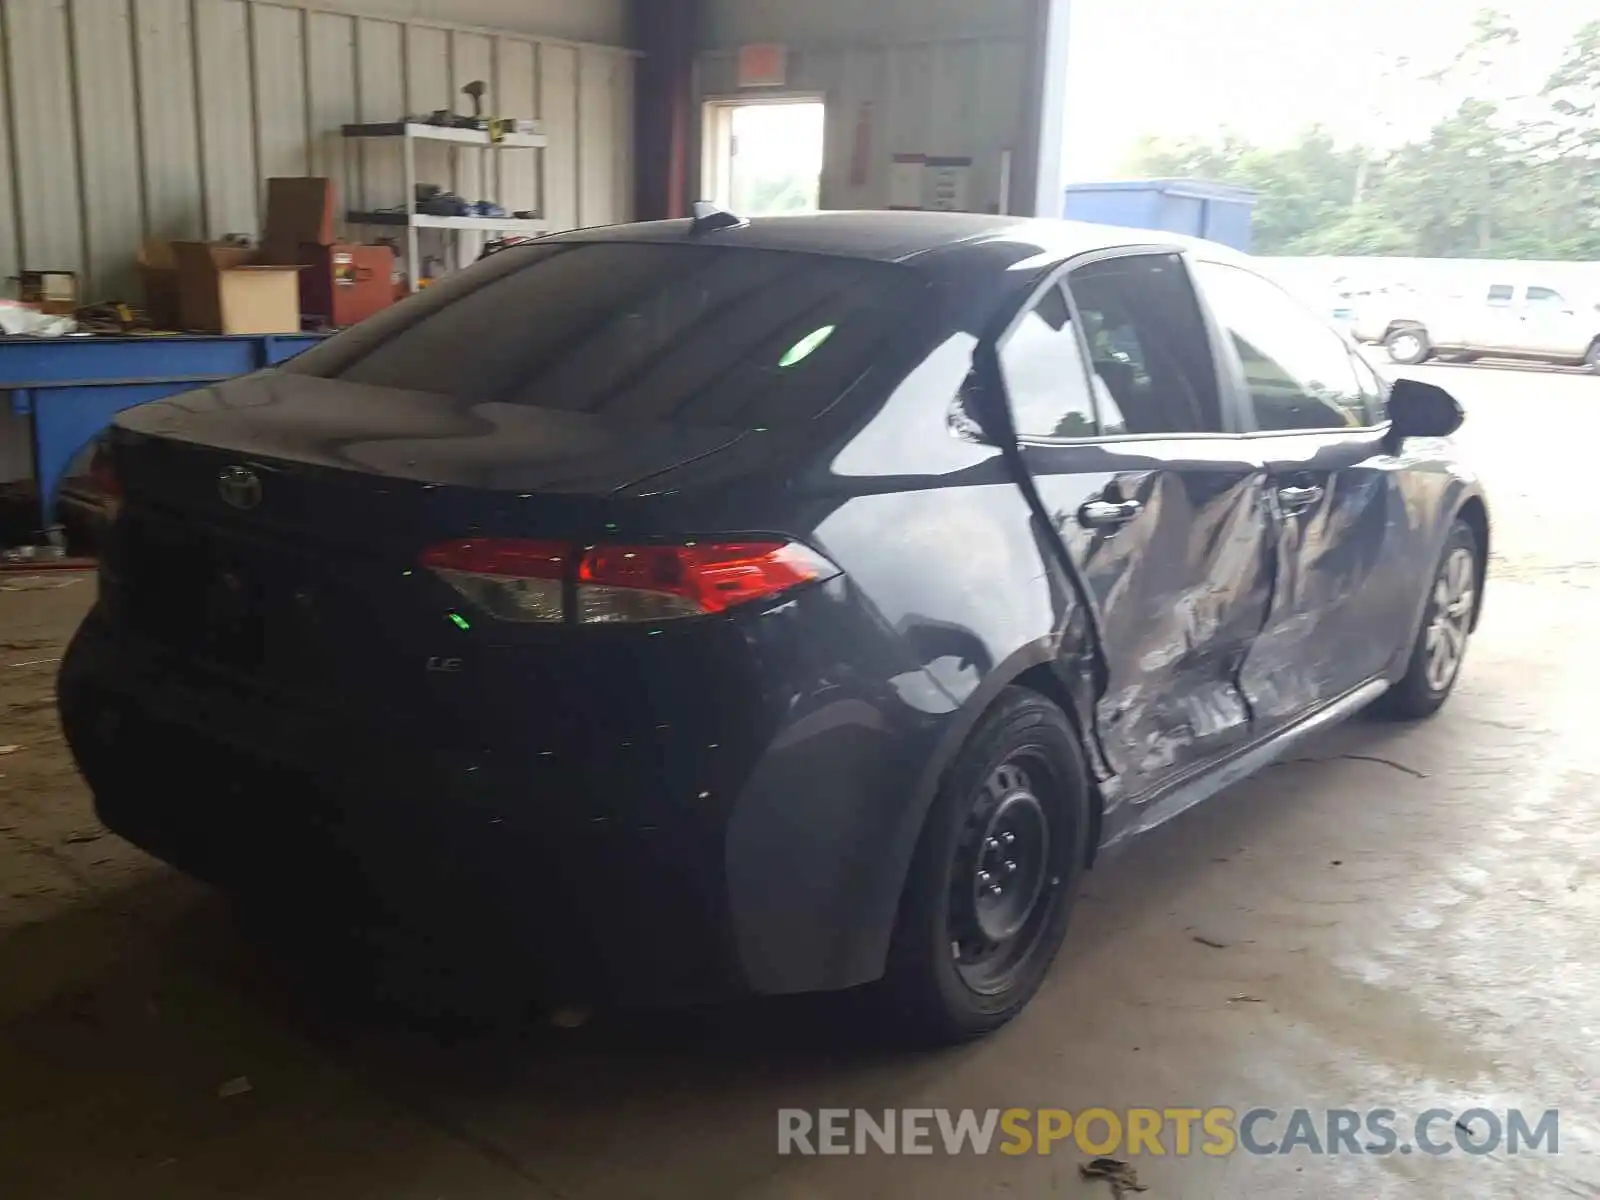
(1400, 917)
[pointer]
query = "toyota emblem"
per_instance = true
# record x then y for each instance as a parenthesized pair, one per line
(239, 487)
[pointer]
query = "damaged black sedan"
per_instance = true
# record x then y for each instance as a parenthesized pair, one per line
(671, 611)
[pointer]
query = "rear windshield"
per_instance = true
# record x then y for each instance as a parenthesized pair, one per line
(691, 334)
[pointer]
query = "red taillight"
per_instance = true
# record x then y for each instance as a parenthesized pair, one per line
(525, 580)
(643, 583)
(507, 557)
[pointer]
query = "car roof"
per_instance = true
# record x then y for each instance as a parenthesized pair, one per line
(903, 236)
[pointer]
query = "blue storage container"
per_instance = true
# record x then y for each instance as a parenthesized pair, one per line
(1217, 211)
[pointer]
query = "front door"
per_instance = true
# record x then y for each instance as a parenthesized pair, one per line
(1318, 419)
(1157, 501)
(1491, 323)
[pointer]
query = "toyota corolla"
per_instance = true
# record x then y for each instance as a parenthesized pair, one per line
(713, 607)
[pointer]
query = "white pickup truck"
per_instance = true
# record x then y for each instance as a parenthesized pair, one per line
(1508, 320)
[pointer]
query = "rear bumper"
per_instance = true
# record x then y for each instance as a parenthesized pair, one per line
(493, 861)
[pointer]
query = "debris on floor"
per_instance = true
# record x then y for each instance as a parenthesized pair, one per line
(1212, 942)
(235, 1087)
(1122, 1177)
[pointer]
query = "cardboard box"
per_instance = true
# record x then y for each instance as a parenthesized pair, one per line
(225, 289)
(299, 212)
(52, 292)
(158, 273)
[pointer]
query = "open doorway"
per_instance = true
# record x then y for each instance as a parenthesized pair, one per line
(764, 157)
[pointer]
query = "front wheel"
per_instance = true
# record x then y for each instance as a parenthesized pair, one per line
(1408, 346)
(1441, 642)
(1592, 359)
(996, 867)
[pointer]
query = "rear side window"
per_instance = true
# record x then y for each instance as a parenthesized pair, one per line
(1501, 293)
(1045, 378)
(1148, 347)
(691, 334)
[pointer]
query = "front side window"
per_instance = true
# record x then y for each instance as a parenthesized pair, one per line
(1300, 373)
(1147, 344)
(1043, 368)
(1375, 391)
(1544, 297)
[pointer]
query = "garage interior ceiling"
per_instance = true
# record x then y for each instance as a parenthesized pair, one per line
(121, 119)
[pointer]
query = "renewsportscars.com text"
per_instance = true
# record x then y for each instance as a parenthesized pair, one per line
(1174, 1131)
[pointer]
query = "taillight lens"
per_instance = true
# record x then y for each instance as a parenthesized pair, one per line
(508, 578)
(519, 580)
(648, 583)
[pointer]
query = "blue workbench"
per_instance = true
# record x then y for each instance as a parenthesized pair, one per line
(69, 388)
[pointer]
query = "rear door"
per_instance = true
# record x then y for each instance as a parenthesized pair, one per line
(1115, 397)
(1318, 419)
(1551, 326)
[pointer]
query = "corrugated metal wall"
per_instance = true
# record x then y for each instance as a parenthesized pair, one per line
(963, 96)
(122, 118)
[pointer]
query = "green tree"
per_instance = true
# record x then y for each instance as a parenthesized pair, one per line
(1516, 178)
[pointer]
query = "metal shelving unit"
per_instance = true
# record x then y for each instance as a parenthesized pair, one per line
(409, 133)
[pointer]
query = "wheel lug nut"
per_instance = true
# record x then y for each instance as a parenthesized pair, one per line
(997, 890)
(984, 877)
(992, 844)
(1011, 867)
(1008, 837)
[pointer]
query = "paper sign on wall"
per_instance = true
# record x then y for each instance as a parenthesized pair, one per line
(905, 180)
(948, 183)
(763, 65)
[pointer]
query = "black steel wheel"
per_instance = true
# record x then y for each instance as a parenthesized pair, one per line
(996, 868)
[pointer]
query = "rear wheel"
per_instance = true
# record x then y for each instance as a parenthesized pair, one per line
(996, 867)
(1441, 642)
(1408, 345)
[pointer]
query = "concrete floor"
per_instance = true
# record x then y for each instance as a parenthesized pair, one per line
(1412, 912)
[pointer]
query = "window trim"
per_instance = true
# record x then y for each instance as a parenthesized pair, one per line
(1058, 276)
(1004, 340)
(1239, 381)
(1553, 296)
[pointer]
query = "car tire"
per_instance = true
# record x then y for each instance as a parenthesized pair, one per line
(1013, 810)
(1448, 614)
(1408, 345)
(1592, 359)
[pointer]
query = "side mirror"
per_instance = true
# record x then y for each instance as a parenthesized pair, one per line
(1424, 410)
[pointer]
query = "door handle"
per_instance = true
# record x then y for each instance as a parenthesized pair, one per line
(1298, 499)
(1108, 514)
